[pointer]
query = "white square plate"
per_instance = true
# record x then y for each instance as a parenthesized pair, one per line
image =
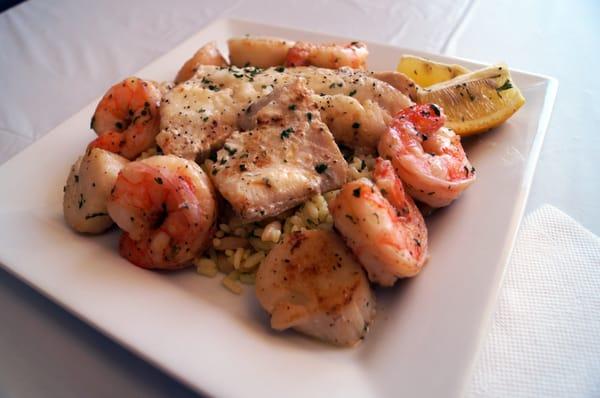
(427, 329)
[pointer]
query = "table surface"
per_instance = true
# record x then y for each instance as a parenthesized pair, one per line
(80, 48)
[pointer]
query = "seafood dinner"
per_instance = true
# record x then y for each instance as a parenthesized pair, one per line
(289, 167)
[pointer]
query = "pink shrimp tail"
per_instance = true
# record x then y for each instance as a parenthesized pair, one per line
(110, 141)
(386, 178)
(426, 118)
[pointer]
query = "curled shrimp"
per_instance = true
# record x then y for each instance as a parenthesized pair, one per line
(127, 118)
(332, 56)
(428, 157)
(208, 54)
(167, 209)
(382, 225)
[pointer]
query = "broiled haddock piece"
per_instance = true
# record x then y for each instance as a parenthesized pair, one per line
(290, 156)
(198, 115)
(196, 119)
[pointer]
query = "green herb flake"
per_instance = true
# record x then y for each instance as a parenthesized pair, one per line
(506, 86)
(352, 93)
(286, 133)
(292, 107)
(320, 168)
(355, 125)
(231, 151)
(158, 180)
(356, 192)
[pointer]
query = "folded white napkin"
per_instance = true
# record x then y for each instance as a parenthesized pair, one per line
(544, 339)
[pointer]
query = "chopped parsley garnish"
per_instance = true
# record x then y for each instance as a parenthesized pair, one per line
(286, 133)
(231, 151)
(355, 125)
(309, 116)
(471, 96)
(506, 86)
(292, 107)
(356, 192)
(243, 167)
(320, 168)
(280, 69)
(352, 93)
(158, 180)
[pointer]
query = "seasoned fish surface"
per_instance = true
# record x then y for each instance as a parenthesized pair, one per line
(288, 157)
(196, 119)
(312, 283)
(198, 115)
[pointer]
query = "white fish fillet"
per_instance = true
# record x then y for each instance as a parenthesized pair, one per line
(198, 115)
(287, 158)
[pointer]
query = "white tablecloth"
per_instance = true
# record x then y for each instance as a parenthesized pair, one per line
(56, 56)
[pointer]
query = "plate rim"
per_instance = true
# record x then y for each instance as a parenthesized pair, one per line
(544, 119)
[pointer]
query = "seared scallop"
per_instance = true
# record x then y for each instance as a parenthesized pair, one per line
(312, 283)
(261, 52)
(87, 190)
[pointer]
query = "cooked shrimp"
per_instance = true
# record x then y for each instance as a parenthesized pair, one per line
(129, 114)
(427, 156)
(208, 54)
(167, 209)
(261, 52)
(332, 56)
(312, 283)
(382, 225)
(88, 188)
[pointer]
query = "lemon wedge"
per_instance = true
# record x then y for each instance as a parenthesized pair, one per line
(425, 72)
(476, 101)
